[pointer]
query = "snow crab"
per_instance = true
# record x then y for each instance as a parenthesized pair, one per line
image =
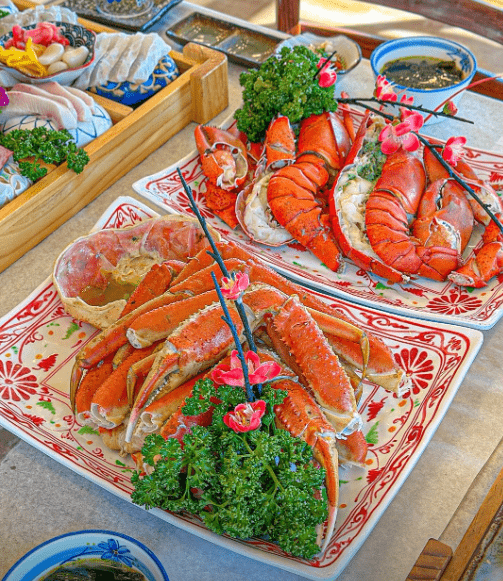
(132, 378)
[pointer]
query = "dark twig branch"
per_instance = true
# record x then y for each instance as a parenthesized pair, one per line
(218, 259)
(360, 101)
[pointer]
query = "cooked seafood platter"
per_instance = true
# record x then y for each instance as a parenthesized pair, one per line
(170, 363)
(161, 376)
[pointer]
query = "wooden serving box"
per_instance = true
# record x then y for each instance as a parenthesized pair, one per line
(197, 95)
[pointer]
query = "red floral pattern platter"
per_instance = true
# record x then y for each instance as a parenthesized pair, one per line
(423, 298)
(39, 342)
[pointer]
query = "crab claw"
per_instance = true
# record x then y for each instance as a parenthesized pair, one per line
(223, 157)
(301, 416)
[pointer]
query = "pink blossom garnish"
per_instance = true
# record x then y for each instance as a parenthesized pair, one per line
(406, 100)
(384, 90)
(246, 416)
(454, 149)
(395, 136)
(328, 75)
(257, 372)
(234, 286)
(449, 108)
(4, 99)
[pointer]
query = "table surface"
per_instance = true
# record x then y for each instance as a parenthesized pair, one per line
(40, 499)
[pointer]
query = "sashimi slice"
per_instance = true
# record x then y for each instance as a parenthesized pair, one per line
(83, 111)
(21, 103)
(88, 100)
(41, 92)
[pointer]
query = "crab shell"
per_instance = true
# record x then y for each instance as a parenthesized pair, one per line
(125, 255)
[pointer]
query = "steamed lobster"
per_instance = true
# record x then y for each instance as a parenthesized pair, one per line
(290, 194)
(387, 222)
(411, 220)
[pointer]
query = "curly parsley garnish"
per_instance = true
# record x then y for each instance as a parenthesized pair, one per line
(257, 483)
(30, 146)
(286, 85)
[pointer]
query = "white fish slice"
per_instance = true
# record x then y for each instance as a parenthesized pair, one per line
(83, 111)
(22, 103)
(38, 90)
(88, 100)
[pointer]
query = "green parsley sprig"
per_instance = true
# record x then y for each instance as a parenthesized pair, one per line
(251, 484)
(43, 144)
(286, 84)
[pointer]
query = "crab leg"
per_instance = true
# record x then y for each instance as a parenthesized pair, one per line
(90, 384)
(197, 344)
(345, 338)
(203, 339)
(159, 322)
(300, 416)
(109, 406)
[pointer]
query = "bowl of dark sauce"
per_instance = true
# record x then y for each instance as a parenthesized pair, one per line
(430, 69)
(90, 555)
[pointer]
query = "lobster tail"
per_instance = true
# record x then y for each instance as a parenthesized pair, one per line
(292, 192)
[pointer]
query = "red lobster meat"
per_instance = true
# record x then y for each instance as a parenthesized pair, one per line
(392, 205)
(292, 192)
(347, 202)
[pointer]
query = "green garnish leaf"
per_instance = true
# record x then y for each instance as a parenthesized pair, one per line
(251, 484)
(30, 146)
(287, 85)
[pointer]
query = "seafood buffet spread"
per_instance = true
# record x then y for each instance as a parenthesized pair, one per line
(199, 370)
(50, 68)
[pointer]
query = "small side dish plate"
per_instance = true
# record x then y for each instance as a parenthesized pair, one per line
(120, 18)
(79, 546)
(77, 36)
(39, 342)
(347, 57)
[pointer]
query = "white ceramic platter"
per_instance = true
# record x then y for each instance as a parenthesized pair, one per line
(39, 342)
(423, 298)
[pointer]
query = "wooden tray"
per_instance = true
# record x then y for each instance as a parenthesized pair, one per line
(197, 95)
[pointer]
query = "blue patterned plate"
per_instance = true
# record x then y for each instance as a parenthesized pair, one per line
(132, 94)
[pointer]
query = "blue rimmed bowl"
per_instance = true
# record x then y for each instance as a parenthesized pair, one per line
(87, 544)
(77, 36)
(427, 46)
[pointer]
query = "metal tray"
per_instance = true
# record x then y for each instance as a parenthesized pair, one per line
(241, 45)
(117, 13)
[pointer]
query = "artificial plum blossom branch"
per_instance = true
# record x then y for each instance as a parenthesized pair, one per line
(239, 348)
(362, 100)
(326, 72)
(218, 259)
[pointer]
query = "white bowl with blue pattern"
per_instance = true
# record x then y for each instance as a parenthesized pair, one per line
(95, 544)
(427, 46)
(77, 36)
